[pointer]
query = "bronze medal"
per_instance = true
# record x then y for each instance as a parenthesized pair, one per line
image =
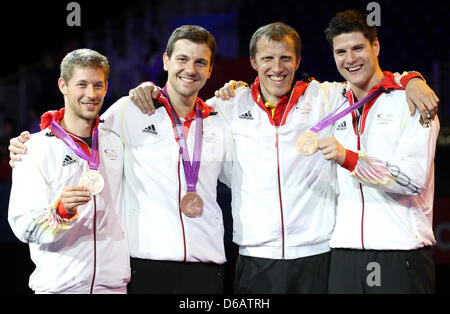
(307, 143)
(93, 181)
(191, 204)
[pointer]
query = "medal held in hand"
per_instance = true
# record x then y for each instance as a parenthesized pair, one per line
(307, 143)
(91, 179)
(191, 203)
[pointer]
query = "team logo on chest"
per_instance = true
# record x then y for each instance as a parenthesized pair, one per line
(246, 116)
(150, 130)
(342, 126)
(303, 108)
(68, 161)
(384, 118)
(111, 153)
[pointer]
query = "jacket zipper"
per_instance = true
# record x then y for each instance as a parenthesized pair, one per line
(362, 199)
(179, 209)
(279, 191)
(277, 131)
(358, 133)
(95, 245)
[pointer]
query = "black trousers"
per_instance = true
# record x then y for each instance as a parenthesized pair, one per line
(388, 272)
(267, 276)
(166, 277)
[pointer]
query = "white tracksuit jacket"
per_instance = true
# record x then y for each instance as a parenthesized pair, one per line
(386, 203)
(87, 254)
(154, 184)
(283, 203)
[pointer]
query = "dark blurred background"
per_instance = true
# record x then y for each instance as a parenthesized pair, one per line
(35, 37)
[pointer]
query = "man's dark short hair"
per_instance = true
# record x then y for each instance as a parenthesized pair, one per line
(194, 33)
(348, 22)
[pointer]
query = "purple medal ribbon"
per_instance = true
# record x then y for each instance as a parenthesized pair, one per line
(93, 159)
(333, 117)
(191, 170)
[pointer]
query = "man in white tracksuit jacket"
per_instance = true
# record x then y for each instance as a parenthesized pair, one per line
(283, 203)
(171, 252)
(383, 239)
(78, 246)
(154, 184)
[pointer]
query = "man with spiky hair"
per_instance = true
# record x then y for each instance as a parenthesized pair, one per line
(383, 239)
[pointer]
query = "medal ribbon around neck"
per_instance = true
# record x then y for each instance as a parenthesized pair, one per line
(191, 170)
(333, 117)
(93, 159)
(307, 142)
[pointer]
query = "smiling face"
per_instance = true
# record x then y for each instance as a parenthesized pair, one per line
(276, 63)
(188, 68)
(357, 60)
(84, 92)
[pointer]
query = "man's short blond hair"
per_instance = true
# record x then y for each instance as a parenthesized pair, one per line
(276, 32)
(83, 58)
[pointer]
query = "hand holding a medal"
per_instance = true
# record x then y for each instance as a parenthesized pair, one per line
(71, 196)
(332, 150)
(307, 143)
(74, 196)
